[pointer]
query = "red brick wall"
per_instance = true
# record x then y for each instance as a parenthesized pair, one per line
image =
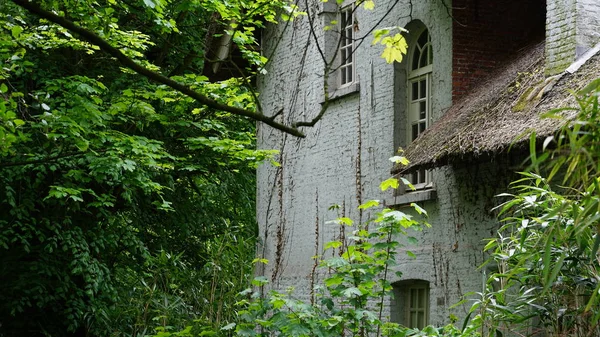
(487, 33)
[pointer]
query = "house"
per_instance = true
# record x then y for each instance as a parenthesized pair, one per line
(478, 73)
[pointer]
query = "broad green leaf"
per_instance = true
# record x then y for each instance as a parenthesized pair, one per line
(229, 326)
(332, 244)
(351, 292)
(369, 204)
(16, 31)
(389, 183)
(418, 208)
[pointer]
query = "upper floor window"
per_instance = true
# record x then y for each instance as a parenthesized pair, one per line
(419, 96)
(346, 68)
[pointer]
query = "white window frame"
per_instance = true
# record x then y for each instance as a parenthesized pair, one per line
(415, 305)
(420, 179)
(407, 304)
(347, 68)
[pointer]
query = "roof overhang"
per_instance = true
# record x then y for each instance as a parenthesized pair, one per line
(502, 113)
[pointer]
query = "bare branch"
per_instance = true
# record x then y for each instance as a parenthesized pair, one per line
(154, 76)
(318, 117)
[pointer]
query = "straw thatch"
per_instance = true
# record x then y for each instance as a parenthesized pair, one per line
(500, 113)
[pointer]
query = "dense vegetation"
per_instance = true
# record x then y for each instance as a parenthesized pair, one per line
(124, 203)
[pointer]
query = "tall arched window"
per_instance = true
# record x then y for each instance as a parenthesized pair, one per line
(419, 95)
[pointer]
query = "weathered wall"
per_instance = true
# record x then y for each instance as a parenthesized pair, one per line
(344, 157)
(461, 217)
(588, 21)
(571, 29)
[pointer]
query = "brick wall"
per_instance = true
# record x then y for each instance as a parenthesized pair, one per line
(487, 33)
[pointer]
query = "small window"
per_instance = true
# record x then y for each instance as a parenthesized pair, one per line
(410, 306)
(346, 52)
(419, 94)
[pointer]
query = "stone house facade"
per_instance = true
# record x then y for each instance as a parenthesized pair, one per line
(445, 104)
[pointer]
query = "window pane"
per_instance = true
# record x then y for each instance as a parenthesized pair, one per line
(422, 295)
(349, 77)
(429, 55)
(423, 91)
(345, 17)
(421, 127)
(415, 131)
(422, 110)
(415, 59)
(420, 320)
(415, 91)
(423, 38)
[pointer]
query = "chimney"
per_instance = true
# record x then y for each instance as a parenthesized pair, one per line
(572, 28)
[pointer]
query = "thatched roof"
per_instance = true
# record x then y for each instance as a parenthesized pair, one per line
(491, 118)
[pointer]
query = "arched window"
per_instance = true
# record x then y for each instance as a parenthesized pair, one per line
(419, 95)
(410, 304)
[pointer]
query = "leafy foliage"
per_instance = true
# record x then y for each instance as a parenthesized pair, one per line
(546, 254)
(350, 300)
(121, 200)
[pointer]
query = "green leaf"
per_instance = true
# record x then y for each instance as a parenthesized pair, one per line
(351, 292)
(378, 34)
(591, 87)
(333, 244)
(150, 3)
(369, 204)
(334, 281)
(418, 208)
(229, 326)
(389, 183)
(16, 31)
(345, 221)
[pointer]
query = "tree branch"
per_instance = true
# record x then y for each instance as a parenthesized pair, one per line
(154, 76)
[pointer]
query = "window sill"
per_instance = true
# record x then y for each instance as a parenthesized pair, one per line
(344, 91)
(413, 196)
